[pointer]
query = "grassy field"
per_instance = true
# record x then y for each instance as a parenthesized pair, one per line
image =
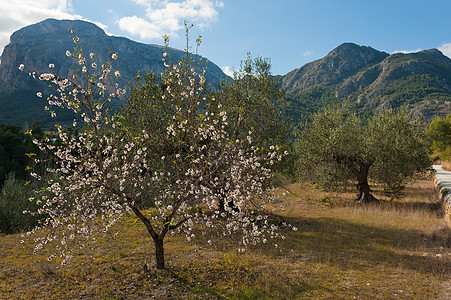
(388, 250)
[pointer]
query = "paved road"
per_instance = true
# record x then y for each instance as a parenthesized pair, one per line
(443, 181)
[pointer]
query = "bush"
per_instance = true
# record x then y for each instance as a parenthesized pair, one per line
(13, 201)
(439, 134)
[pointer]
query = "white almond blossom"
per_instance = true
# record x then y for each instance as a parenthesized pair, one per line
(187, 176)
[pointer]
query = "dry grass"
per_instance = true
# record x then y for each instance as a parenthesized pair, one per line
(446, 165)
(388, 250)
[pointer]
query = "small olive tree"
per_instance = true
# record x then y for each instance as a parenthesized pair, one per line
(13, 200)
(439, 134)
(170, 170)
(337, 148)
(254, 102)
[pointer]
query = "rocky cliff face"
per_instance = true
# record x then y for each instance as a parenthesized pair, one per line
(341, 63)
(46, 42)
(38, 45)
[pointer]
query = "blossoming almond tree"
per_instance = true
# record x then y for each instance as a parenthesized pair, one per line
(171, 171)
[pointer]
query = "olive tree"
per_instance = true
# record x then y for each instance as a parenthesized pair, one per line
(336, 148)
(254, 102)
(439, 133)
(170, 170)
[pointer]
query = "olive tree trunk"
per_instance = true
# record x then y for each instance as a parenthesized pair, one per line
(364, 191)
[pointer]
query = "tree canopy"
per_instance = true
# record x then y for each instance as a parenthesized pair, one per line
(255, 102)
(168, 158)
(14, 145)
(439, 133)
(337, 148)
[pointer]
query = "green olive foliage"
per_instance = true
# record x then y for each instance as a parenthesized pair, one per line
(13, 202)
(336, 148)
(254, 102)
(439, 133)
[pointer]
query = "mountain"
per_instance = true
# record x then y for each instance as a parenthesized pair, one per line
(372, 80)
(341, 63)
(38, 45)
(367, 78)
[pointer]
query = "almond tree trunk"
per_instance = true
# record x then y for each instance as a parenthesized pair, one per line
(159, 253)
(157, 238)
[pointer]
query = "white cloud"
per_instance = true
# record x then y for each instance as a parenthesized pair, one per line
(142, 2)
(139, 26)
(407, 51)
(228, 70)
(445, 49)
(308, 53)
(17, 14)
(167, 16)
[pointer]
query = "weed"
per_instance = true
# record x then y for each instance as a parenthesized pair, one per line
(46, 268)
(327, 201)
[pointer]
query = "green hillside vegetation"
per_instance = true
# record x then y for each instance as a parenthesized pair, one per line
(24, 107)
(302, 105)
(408, 91)
(416, 88)
(14, 145)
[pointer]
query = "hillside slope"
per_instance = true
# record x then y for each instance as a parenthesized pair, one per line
(38, 45)
(372, 80)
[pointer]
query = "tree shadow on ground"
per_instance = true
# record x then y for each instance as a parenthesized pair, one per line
(352, 246)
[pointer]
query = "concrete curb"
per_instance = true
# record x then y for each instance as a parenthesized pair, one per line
(443, 183)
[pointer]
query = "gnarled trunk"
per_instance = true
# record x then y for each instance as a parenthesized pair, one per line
(364, 194)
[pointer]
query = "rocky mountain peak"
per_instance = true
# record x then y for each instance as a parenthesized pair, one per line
(373, 80)
(349, 58)
(36, 46)
(351, 50)
(52, 28)
(343, 61)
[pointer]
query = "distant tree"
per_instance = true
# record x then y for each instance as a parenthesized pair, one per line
(14, 145)
(336, 148)
(36, 131)
(439, 133)
(166, 169)
(13, 202)
(254, 102)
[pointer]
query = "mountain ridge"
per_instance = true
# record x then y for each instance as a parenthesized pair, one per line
(372, 80)
(38, 45)
(367, 78)
(342, 61)
(46, 42)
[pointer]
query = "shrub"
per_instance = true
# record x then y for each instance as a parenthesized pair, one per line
(13, 202)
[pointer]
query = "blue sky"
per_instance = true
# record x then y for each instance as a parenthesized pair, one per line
(289, 32)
